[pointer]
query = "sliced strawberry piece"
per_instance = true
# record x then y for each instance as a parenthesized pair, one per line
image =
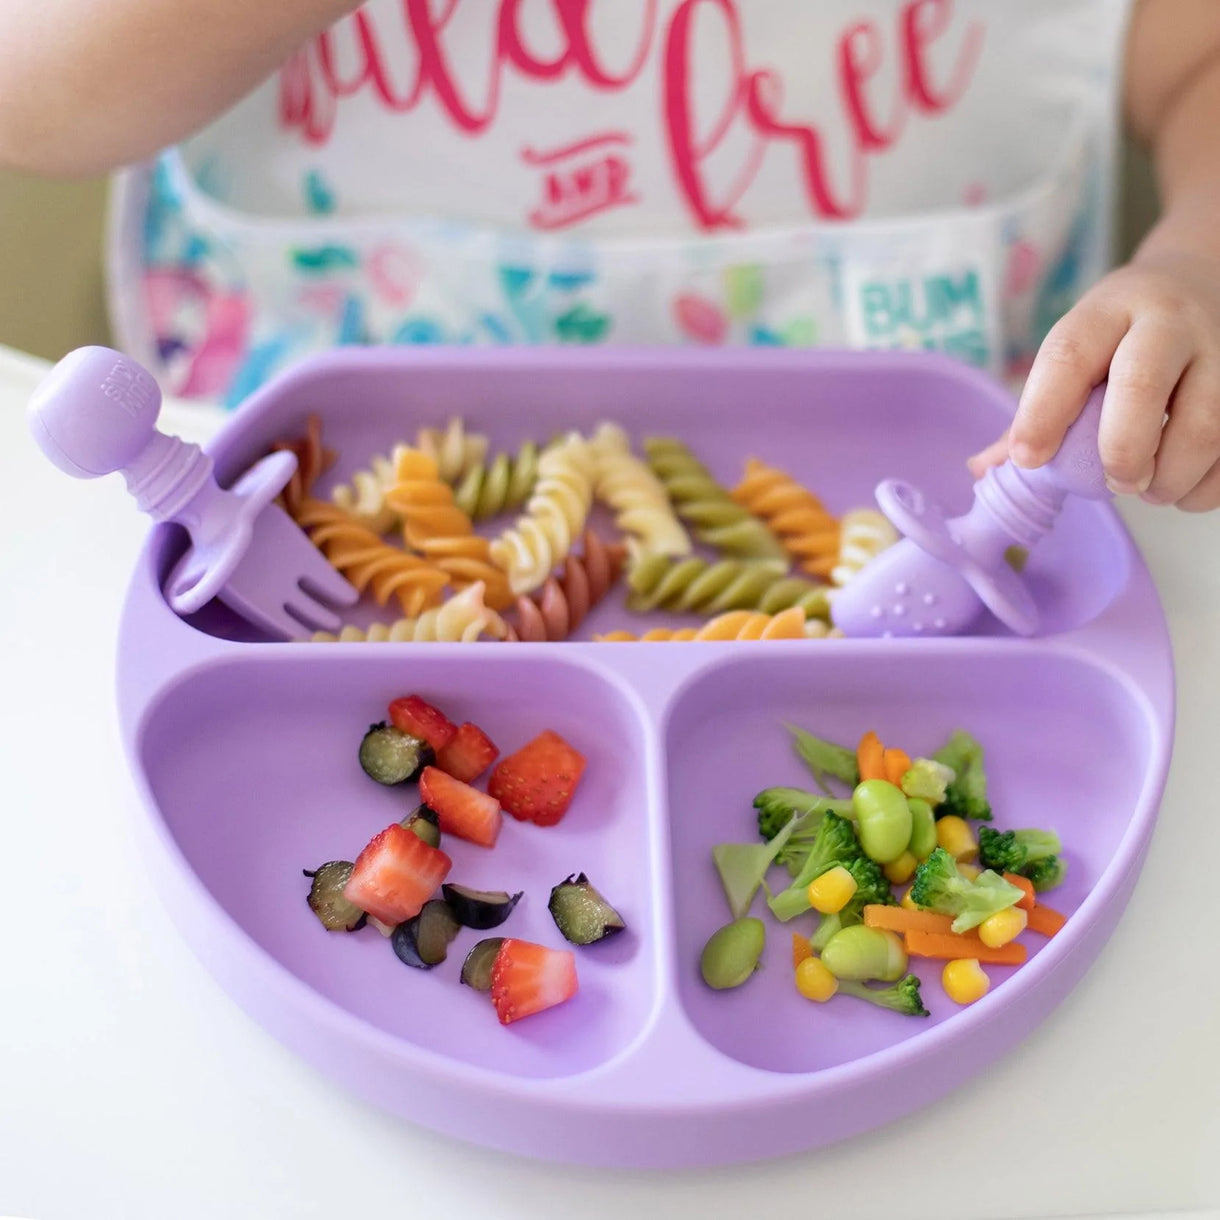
(537, 783)
(395, 875)
(411, 714)
(462, 810)
(468, 754)
(528, 978)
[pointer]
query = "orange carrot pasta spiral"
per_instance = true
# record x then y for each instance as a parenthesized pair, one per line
(368, 562)
(796, 516)
(435, 526)
(561, 605)
(735, 625)
(313, 459)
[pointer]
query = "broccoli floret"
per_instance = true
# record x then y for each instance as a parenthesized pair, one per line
(825, 758)
(1046, 873)
(808, 856)
(777, 806)
(966, 796)
(1013, 851)
(939, 887)
(902, 996)
(872, 889)
(927, 780)
(833, 843)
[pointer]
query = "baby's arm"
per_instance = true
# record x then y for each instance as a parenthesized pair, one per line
(1153, 326)
(88, 85)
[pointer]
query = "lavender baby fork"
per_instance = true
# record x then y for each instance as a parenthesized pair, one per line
(943, 573)
(96, 413)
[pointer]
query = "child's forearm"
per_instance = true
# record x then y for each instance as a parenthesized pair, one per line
(86, 85)
(1185, 142)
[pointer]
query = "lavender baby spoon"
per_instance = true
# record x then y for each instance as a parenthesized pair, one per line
(938, 579)
(96, 412)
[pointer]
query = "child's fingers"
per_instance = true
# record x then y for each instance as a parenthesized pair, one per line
(1190, 442)
(1206, 493)
(985, 459)
(1074, 357)
(1147, 365)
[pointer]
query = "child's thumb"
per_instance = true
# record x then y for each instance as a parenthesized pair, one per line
(995, 454)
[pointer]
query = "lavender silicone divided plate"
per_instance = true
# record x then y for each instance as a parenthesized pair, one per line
(245, 753)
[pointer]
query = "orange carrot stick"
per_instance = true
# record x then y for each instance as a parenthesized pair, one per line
(870, 757)
(1022, 883)
(1046, 920)
(937, 944)
(896, 763)
(801, 949)
(901, 919)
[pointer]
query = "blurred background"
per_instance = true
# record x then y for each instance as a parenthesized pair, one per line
(51, 239)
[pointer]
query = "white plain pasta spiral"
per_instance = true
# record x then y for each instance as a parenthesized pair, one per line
(462, 619)
(865, 534)
(364, 496)
(454, 450)
(554, 516)
(640, 503)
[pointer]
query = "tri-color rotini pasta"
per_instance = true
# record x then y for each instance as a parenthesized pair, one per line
(364, 497)
(368, 562)
(700, 586)
(794, 514)
(502, 485)
(554, 518)
(564, 601)
(454, 450)
(735, 625)
(709, 510)
(313, 460)
(439, 530)
(866, 533)
(461, 619)
(638, 499)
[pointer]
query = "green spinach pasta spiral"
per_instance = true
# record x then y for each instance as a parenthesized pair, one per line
(698, 586)
(501, 485)
(706, 506)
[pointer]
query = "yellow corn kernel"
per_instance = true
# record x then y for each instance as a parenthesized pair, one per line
(908, 902)
(900, 871)
(1003, 926)
(814, 981)
(965, 980)
(832, 891)
(956, 837)
(801, 949)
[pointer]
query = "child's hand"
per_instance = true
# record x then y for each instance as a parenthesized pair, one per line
(1153, 329)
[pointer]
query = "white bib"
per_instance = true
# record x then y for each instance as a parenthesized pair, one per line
(875, 173)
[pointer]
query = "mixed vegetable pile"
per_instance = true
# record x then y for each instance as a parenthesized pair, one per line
(905, 821)
(394, 881)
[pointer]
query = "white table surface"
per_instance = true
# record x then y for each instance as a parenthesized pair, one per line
(132, 1087)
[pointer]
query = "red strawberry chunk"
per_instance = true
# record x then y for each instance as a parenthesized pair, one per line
(461, 810)
(395, 875)
(468, 754)
(537, 783)
(411, 714)
(528, 978)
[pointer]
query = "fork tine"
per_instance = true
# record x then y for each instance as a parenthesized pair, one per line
(323, 582)
(314, 614)
(272, 619)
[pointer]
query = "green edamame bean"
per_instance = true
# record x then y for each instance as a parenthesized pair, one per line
(862, 953)
(923, 829)
(732, 953)
(883, 819)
